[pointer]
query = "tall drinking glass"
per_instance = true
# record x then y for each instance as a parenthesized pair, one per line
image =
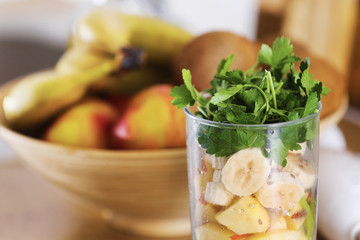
(262, 190)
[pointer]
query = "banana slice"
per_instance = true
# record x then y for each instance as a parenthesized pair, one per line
(245, 172)
(301, 169)
(282, 190)
(215, 193)
(217, 176)
(217, 162)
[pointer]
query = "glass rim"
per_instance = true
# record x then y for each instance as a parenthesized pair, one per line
(263, 126)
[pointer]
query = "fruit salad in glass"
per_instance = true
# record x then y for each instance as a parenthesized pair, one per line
(252, 144)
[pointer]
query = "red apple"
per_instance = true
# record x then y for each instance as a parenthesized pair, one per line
(86, 124)
(151, 121)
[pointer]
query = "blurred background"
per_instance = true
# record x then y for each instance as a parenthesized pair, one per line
(34, 34)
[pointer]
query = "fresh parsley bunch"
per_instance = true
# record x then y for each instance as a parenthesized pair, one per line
(277, 93)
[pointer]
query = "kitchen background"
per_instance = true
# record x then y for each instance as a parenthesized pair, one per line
(34, 34)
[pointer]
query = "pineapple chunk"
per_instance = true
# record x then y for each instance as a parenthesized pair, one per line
(213, 231)
(276, 235)
(245, 216)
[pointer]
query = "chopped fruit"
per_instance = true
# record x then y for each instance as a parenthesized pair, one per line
(277, 221)
(296, 217)
(245, 216)
(216, 193)
(213, 231)
(276, 235)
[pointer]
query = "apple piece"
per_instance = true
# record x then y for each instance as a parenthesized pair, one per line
(151, 121)
(86, 124)
(277, 221)
(205, 212)
(276, 235)
(213, 231)
(295, 217)
(245, 216)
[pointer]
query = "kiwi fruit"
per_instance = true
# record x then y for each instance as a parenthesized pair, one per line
(203, 54)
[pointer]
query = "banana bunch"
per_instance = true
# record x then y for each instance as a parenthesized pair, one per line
(37, 97)
(107, 30)
(104, 42)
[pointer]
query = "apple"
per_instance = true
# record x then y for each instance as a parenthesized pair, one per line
(151, 121)
(86, 124)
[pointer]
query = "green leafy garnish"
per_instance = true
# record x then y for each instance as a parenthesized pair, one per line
(279, 93)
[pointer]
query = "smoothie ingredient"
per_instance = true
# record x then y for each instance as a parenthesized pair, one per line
(245, 172)
(301, 169)
(213, 231)
(245, 216)
(282, 190)
(276, 235)
(277, 221)
(256, 96)
(309, 224)
(216, 193)
(296, 217)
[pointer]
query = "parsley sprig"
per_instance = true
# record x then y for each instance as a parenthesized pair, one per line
(277, 93)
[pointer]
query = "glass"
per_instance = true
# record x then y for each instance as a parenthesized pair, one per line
(250, 194)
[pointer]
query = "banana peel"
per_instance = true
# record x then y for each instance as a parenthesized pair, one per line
(107, 30)
(39, 96)
(130, 81)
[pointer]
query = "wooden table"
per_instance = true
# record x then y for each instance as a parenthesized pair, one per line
(31, 210)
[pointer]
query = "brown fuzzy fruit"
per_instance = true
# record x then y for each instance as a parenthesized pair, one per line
(203, 54)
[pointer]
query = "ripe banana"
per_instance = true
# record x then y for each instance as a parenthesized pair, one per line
(215, 193)
(108, 30)
(37, 97)
(80, 58)
(282, 191)
(130, 81)
(245, 172)
(301, 169)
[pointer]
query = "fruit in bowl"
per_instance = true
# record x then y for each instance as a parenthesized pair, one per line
(62, 122)
(150, 121)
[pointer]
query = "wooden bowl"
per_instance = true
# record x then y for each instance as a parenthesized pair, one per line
(142, 192)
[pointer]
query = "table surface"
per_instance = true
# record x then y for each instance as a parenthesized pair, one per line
(31, 210)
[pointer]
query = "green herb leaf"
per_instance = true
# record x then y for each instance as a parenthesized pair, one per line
(182, 96)
(278, 94)
(225, 93)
